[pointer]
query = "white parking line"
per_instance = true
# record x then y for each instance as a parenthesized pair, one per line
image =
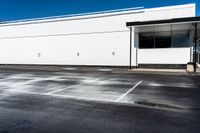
(121, 97)
(59, 96)
(84, 82)
(25, 92)
(105, 70)
(64, 89)
(70, 68)
(73, 97)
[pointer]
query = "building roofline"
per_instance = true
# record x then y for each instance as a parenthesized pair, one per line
(89, 15)
(166, 21)
(77, 16)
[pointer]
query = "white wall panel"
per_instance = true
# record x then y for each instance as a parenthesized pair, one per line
(95, 49)
(164, 56)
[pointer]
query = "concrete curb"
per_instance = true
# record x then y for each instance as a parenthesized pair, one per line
(95, 69)
(158, 70)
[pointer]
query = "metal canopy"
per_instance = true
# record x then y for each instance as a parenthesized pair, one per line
(165, 27)
(177, 24)
(166, 21)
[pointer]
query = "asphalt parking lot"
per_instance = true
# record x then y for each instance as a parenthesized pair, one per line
(101, 100)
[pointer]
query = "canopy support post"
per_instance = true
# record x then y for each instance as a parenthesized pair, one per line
(130, 65)
(195, 47)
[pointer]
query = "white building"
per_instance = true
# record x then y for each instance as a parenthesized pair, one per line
(100, 39)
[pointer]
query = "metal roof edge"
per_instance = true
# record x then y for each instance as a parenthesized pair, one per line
(75, 16)
(164, 21)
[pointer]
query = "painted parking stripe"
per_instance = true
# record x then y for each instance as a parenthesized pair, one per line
(64, 88)
(105, 70)
(73, 97)
(70, 68)
(25, 92)
(122, 96)
(60, 96)
(84, 82)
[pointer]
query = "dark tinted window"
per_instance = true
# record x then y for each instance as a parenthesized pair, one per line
(180, 39)
(164, 39)
(146, 40)
(162, 42)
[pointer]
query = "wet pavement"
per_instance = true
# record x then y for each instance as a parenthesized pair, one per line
(103, 100)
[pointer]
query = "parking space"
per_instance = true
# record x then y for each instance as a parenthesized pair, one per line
(186, 97)
(33, 83)
(70, 85)
(169, 91)
(102, 100)
(106, 87)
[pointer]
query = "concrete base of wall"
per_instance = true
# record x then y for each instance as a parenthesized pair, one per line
(163, 66)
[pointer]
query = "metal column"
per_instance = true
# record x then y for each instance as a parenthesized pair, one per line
(195, 47)
(130, 65)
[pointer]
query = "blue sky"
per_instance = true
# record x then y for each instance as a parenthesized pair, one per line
(26, 9)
